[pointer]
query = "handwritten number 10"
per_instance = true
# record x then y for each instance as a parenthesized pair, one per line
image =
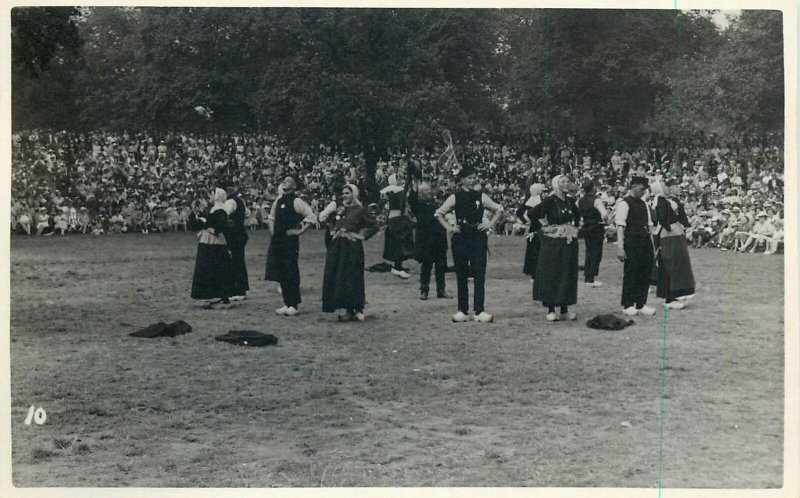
(38, 415)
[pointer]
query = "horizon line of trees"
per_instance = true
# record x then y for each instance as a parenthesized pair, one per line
(371, 79)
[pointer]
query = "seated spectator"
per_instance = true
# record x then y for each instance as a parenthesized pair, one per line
(61, 221)
(43, 222)
(763, 230)
(775, 242)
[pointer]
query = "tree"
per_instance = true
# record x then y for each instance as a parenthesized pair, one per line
(39, 33)
(373, 78)
(151, 68)
(593, 73)
(44, 46)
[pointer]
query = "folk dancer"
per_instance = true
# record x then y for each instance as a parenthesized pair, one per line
(212, 269)
(289, 218)
(529, 213)
(398, 241)
(430, 241)
(343, 280)
(469, 241)
(635, 248)
(328, 215)
(593, 231)
(237, 237)
(675, 280)
(556, 283)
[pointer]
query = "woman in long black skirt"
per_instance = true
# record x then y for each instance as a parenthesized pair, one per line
(556, 283)
(675, 279)
(398, 237)
(529, 212)
(343, 281)
(212, 279)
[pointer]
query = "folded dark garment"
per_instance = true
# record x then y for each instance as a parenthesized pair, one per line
(380, 268)
(609, 322)
(248, 338)
(161, 329)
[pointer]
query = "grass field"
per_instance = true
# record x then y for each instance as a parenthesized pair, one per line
(406, 398)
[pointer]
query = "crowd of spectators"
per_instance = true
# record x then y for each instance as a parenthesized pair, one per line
(102, 182)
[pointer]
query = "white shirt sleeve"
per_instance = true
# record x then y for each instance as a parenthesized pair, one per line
(273, 210)
(300, 207)
(229, 206)
(622, 214)
(490, 204)
(448, 205)
(598, 205)
(329, 210)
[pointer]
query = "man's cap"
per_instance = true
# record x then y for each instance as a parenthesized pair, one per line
(466, 171)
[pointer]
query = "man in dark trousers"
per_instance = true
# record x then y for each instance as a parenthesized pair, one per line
(236, 235)
(289, 218)
(470, 240)
(593, 232)
(635, 248)
(430, 242)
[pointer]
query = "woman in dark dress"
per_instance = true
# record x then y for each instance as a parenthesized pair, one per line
(556, 281)
(212, 278)
(675, 279)
(529, 213)
(343, 281)
(398, 236)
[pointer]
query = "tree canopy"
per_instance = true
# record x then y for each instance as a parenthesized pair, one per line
(371, 79)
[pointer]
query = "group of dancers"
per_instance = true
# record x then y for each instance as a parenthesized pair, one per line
(651, 245)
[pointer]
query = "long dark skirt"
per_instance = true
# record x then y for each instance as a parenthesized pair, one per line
(675, 277)
(556, 281)
(343, 281)
(399, 239)
(532, 248)
(212, 272)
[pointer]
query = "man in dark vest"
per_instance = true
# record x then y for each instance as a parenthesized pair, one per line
(470, 241)
(593, 232)
(289, 217)
(635, 248)
(236, 235)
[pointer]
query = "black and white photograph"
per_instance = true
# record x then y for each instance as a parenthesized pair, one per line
(414, 249)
